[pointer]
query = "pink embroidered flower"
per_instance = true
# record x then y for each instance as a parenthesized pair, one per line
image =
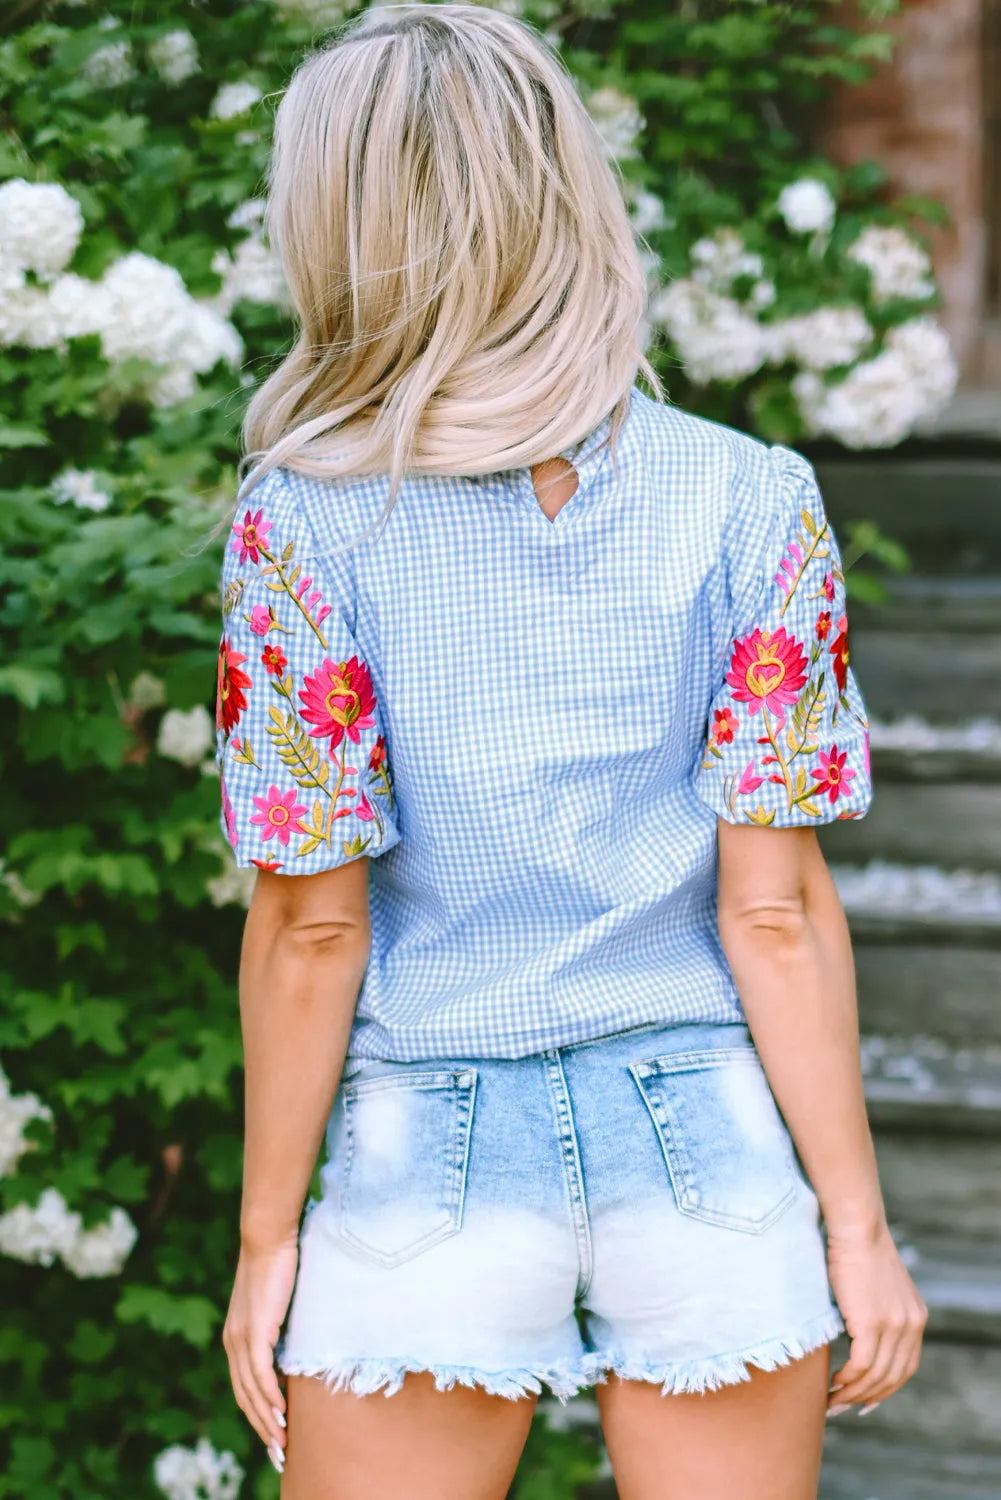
(230, 688)
(276, 814)
(230, 816)
(841, 653)
(866, 755)
(768, 667)
(829, 587)
(749, 782)
(832, 775)
(789, 567)
(363, 808)
(823, 625)
(274, 660)
(260, 619)
(340, 700)
(251, 534)
(724, 726)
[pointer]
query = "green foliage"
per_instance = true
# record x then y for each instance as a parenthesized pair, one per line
(117, 990)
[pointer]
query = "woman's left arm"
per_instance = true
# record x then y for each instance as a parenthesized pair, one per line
(786, 939)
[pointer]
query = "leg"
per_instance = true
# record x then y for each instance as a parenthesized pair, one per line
(420, 1444)
(758, 1440)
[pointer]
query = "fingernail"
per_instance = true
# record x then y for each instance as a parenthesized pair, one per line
(865, 1410)
(279, 1416)
(835, 1411)
(277, 1457)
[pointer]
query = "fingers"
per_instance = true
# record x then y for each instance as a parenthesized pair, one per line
(881, 1359)
(256, 1388)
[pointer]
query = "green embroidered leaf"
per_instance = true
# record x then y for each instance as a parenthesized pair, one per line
(811, 809)
(244, 755)
(316, 830)
(296, 750)
(356, 846)
(809, 523)
(287, 554)
(762, 818)
(800, 782)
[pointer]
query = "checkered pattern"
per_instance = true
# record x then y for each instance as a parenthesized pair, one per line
(545, 821)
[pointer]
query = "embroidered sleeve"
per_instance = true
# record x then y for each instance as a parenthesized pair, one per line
(306, 782)
(787, 740)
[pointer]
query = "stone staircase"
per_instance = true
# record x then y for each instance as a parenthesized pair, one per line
(921, 880)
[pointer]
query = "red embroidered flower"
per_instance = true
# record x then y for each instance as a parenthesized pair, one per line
(339, 700)
(832, 776)
(276, 814)
(768, 667)
(377, 754)
(724, 726)
(230, 816)
(274, 659)
(267, 864)
(251, 534)
(823, 625)
(231, 685)
(841, 654)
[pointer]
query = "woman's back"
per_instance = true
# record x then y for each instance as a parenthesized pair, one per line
(514, 711)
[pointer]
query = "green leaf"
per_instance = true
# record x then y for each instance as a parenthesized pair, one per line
(193, 1319)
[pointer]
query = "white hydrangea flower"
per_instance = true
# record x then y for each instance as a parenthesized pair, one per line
(234, 99)
(27, 319)
(186, 735)
(252, 273)
(234, 887)
(618, 120)
(38, 1233)
(819, 340)
(320, 12)
(103, 1250)
(807, 206)
(897, 265)
(646, 212)
(883, 399)
(17, 890)
(199, 1473)
(78, 306)
(248, 215)
(15, 1112)
(110, 66)
(720, 260)
(715, 338)
(40, 227)
(174, 55)
(762, 294)
(79, 487)
(146, 692)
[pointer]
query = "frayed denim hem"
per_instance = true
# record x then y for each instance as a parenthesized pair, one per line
(695, 1376)
(363, 1377)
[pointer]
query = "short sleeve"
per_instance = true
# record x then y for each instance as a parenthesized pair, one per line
(306, 781)
(787, 741)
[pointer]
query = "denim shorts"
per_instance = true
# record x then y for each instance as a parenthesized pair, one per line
(630, 1205)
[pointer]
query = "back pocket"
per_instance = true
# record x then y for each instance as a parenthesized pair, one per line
(727, 1149)
(407, 1148)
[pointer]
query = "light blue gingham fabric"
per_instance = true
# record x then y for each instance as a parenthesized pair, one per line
(534, 724)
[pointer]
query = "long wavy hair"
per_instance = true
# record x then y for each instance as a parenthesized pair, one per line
(468, 289)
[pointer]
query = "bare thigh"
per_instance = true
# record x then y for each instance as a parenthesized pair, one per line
(420, 1444)
(759, 1440)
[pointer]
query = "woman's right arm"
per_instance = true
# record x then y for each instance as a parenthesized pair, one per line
(305, 950)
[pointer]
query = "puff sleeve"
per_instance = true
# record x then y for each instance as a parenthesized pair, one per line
(787, 740)
(306, 782)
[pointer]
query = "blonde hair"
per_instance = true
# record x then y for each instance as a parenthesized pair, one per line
(469, 291)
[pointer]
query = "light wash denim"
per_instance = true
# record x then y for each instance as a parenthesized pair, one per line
(632, 1204)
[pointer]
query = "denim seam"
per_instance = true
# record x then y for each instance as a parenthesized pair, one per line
(572, 1171)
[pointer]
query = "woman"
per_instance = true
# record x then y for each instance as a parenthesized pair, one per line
(533, 693)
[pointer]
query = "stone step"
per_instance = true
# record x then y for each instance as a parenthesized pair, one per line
(961, 1282)
(943, 675)
(864, 1466)
(941, 1183)
(920, 602)
(922, 1083)
(950, 824)
(946, 511)
(913, 749)
(920, 987)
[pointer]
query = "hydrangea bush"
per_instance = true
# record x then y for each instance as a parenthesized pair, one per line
(138, 304)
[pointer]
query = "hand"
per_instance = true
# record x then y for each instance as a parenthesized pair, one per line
(884, 1315)
(261, 1294)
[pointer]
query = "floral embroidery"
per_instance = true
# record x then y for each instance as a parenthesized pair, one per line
(339, 700)
(277, 814)
(229, 815)
(788, 686)
(251, 534)
(230, 689)
(832, 775)
(314, 715)
(767, 670)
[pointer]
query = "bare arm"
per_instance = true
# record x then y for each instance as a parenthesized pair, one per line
(305, 949)
(786, 940)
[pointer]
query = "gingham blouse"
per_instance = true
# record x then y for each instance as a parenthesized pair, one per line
(530, 727)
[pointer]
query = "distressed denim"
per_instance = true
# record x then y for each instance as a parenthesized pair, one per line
(632, 1205)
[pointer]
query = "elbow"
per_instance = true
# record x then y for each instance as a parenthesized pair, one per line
(327, 940)
(775, 928)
